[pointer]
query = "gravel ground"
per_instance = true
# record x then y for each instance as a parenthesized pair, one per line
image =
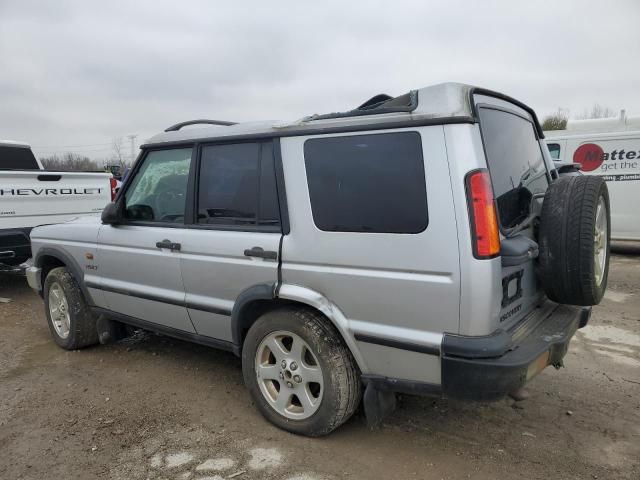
(154, 407)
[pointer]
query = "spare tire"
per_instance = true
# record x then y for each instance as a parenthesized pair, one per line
(574, 240)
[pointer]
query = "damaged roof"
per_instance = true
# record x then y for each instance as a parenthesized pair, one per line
(445, 103)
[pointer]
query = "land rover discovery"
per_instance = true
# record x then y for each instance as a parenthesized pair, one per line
(421, 244)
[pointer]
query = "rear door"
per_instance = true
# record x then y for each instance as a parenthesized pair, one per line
(233, 241)
(138, 261)
(520, 179)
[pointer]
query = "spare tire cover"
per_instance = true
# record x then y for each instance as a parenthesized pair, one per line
(574, 240)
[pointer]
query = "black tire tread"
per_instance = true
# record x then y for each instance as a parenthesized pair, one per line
(83, 332)
(341, 364)
(566, 240)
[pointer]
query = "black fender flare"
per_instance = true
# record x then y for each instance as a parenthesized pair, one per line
(69, 262)
(261, 291)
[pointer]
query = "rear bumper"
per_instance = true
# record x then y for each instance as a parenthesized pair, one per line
(15, 245)
(488, 368)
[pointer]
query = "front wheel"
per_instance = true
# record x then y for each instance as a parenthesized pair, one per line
(299, 372)
(71, 322)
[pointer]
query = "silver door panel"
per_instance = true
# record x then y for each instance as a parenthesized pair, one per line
(215, 272)
(141, 280)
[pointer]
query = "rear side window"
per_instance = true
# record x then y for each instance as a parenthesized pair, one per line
(515, 162)
(367, 183)
(237, 185)
(17, 158)
(554, 150)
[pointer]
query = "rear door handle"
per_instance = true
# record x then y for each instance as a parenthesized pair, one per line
(168, 244)
(261, 252)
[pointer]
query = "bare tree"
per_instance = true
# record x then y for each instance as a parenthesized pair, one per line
(556, 121)
(118, 157)
(69, 162)
(597, 111)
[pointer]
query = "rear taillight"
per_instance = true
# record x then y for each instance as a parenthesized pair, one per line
(114, 184)
(482, 214)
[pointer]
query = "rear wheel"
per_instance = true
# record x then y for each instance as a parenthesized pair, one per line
(574, 240)
(71, 322)
(299, 372)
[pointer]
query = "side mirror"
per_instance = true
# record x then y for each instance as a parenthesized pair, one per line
(111, 215)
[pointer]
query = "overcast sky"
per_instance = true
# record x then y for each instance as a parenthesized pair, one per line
(79, 73)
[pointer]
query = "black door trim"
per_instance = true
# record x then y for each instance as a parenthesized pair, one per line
(156, 298)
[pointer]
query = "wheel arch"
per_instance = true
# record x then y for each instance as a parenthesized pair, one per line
(250, 304)
(49, 258)
(259, 299)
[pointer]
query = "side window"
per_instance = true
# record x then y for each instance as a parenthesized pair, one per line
(367, 183)
(554, 150)
(237, 185)
(158, 192)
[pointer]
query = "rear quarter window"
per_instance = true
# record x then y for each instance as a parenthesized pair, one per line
(17, 158)
(367, 183)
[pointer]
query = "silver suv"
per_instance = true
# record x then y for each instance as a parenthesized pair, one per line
(420, 244)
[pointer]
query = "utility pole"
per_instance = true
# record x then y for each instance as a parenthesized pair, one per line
(132, 139)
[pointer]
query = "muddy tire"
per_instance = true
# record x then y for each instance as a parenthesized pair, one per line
(574, 240)
(300, 373)
(71, 322)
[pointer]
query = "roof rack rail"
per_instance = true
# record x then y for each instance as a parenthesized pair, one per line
(178, 126)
